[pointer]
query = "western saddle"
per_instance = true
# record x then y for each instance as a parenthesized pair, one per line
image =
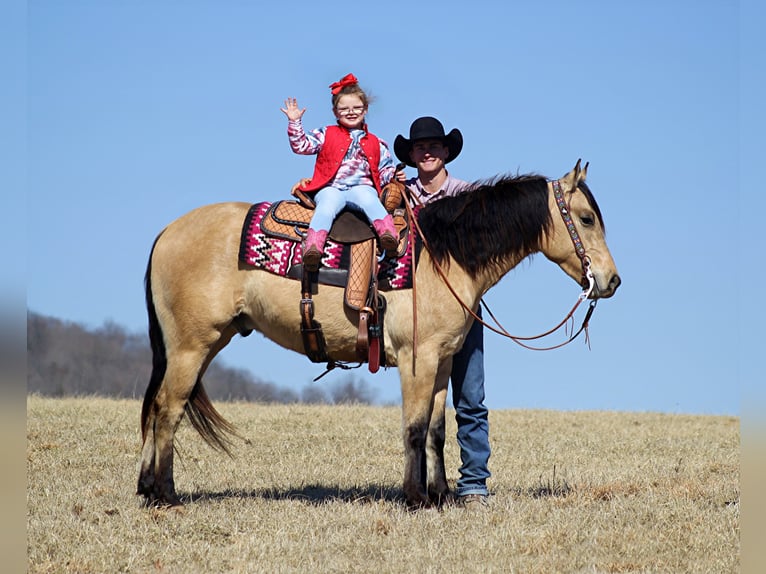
(289, 219)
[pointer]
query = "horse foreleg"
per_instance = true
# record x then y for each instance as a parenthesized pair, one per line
(438, 489)
(417, 400)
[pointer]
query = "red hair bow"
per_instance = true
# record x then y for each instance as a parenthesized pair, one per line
(347, 80)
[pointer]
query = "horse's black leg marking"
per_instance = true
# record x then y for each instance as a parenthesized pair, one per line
(415, 464)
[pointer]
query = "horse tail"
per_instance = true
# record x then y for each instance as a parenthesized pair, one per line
(206, 420)
(157, 344)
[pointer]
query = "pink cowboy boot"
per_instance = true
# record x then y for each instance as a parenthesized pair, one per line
(313, 246)
(387, 234)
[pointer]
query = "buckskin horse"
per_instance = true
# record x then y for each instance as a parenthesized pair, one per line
(199, 296)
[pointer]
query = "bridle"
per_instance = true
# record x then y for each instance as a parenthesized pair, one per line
(558, 195)
(588, 282)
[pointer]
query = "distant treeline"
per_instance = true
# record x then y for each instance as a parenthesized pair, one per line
(68, 359)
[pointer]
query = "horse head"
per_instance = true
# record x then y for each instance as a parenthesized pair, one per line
(576, 240)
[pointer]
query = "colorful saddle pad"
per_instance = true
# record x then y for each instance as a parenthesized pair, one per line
(283, 256)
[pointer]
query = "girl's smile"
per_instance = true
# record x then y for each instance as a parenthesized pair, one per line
(350, 111)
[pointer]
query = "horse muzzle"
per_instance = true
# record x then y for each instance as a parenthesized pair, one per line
(603, 289)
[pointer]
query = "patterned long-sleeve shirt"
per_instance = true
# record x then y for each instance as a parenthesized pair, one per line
(355, 169)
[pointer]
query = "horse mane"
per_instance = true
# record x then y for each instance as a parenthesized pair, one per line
(499, 217)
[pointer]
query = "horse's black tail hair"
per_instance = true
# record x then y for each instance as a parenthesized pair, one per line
(159, 360)
(205, 419)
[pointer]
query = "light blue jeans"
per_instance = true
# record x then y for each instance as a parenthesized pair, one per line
(331, 200)
(470, 413)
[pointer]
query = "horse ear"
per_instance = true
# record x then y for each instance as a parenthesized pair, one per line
(579, 174)
(573, 177)
(583, 173)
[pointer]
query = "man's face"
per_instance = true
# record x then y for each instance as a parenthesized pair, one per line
(429, 155)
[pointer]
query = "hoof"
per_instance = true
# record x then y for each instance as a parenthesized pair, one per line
(418, 503)
(156, 501)
(444, 499)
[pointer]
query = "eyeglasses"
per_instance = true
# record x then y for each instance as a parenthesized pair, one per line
(346, 111)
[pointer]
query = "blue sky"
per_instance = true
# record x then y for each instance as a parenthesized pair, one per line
(137, 112)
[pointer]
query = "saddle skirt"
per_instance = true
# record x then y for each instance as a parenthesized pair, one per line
(272, 235)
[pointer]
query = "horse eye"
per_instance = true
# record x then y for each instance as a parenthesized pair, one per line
(587, 220)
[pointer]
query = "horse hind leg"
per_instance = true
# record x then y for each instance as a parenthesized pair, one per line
(184, 340)
(146, 464)
(163, 414)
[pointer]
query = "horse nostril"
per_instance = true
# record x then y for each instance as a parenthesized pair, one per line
(615, 282)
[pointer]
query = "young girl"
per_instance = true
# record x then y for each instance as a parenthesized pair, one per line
(352, 167)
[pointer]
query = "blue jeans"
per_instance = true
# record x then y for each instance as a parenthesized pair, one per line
(330, 201)
(470, 413)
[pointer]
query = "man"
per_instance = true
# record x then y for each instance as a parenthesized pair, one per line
(429, 149)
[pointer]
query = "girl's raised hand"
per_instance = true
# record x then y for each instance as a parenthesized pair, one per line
(291, 109)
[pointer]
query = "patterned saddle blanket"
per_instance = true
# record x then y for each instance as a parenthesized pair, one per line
(271, 240)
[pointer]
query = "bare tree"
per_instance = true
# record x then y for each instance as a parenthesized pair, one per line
(66, 358)
(352, 391)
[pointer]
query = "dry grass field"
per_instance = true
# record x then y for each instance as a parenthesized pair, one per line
(318, 489)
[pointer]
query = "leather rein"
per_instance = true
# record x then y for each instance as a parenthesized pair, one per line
(587, 276)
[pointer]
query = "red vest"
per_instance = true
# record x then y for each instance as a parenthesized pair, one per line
(336, 143)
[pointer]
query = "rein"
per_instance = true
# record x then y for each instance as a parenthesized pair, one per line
(500, 330)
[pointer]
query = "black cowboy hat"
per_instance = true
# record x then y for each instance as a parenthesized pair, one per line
(428, 128)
